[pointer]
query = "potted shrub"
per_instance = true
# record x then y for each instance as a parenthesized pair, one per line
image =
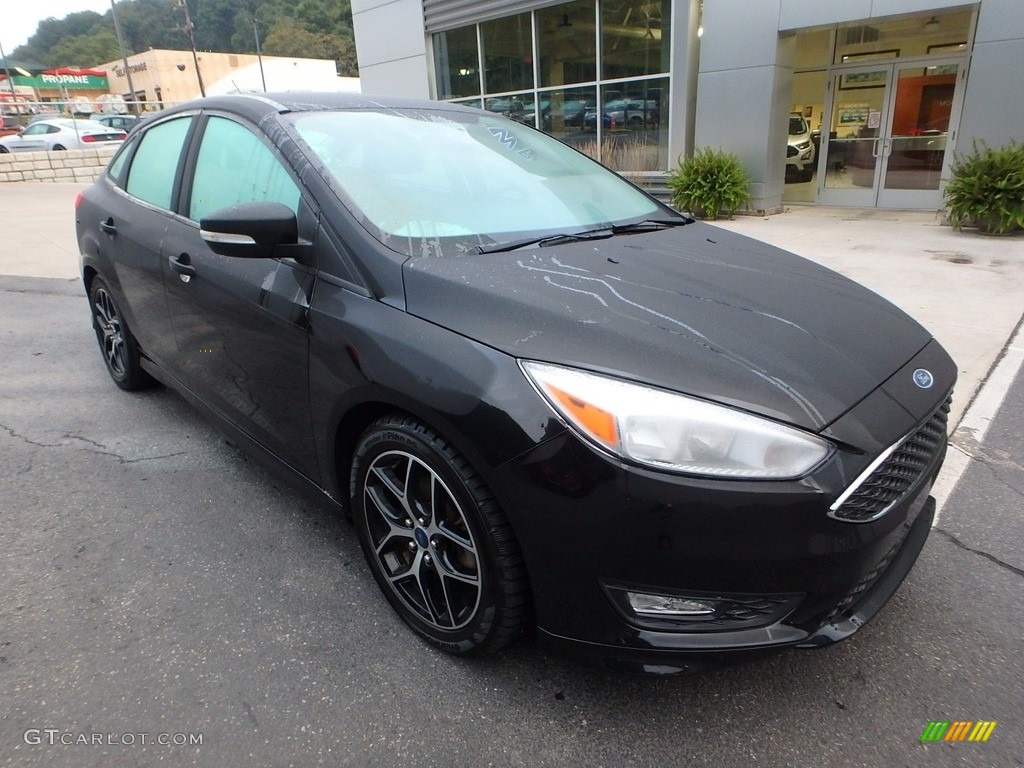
(987, 189)
(709, 182)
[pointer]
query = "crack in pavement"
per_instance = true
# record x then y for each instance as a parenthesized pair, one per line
(90, 445)
(1001, 563)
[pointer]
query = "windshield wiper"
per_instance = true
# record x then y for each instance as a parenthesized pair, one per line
(598, 233)
(590, 234)
(649, 225)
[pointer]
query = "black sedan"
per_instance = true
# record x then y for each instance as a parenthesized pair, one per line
(545, 399)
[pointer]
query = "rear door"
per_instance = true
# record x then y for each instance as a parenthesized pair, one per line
(240, 324)
(133, 215)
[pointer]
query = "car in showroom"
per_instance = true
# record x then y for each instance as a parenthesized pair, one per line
(800, 150)
(548, 402)
(58, 134)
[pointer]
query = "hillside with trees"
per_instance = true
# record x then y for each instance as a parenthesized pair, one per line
(320, 29)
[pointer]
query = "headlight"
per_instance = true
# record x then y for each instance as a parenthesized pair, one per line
(803, 145)
(674, 432)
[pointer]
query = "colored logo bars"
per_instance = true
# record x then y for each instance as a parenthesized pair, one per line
(958, 730)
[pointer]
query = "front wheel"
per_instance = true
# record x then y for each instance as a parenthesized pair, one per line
(436, 540)
(120, 350)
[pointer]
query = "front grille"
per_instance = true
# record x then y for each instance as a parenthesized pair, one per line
(791, 151)
(883, 486)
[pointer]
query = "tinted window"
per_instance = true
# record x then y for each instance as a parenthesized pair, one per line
(116, 168)
(235, 166)
(473, 177)
(151, 176)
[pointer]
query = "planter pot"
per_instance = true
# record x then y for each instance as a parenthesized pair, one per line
(989, 225)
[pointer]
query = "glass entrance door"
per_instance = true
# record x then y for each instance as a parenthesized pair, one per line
(889, 143)
(851, 163)
(918, 146)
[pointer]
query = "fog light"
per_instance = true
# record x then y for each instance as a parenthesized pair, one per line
(667, 605)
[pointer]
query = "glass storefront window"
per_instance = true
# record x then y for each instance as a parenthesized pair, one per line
(457, 63)
(633, 122)
(563, 112)
(508, 54)
(631, 38)
(567, 44)
(634, 125)
(517, 106)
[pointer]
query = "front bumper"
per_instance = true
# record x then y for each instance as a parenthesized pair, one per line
(782, 571)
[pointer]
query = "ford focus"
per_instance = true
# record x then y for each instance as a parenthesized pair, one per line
(548, 402)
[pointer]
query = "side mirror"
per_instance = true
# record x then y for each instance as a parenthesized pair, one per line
(250, 230)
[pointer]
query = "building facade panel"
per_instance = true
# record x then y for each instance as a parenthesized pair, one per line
(404, 37)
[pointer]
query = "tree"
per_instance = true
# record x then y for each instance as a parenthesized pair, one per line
(84, 50)
(305, 28)
(289, 39)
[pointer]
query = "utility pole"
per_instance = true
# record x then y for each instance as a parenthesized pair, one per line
(10, 80)
(133, 103)
(259, 55)
(192, 42)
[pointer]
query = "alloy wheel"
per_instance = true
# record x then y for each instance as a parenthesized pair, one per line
(421, 540)
(108, 324)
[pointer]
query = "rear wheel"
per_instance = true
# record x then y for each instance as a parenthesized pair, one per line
(59, 148)
(119, 348)
(436, 540)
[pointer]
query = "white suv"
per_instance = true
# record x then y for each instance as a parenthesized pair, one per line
(799, 149)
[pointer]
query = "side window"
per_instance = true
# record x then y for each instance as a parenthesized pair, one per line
(116, 168)
(235, 166)
(151, 175)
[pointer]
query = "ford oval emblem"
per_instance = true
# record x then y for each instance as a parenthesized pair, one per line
(923, 378)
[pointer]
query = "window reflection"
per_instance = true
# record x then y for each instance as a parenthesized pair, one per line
(457, 63)
(631, 40)
(567, 44)
(508, 54)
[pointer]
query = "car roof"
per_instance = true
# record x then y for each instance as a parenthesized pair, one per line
(257, 105)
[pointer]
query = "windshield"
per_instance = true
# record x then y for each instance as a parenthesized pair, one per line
(441, 182)
(797, 125)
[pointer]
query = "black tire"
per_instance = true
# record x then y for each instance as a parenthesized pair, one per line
(436, 540)
(59, 148)
(3, 150)
(118, 345)
(807, 174)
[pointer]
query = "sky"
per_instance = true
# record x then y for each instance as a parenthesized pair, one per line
(21, 17)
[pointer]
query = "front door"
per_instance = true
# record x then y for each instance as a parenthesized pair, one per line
(240, 323)
(889, 142)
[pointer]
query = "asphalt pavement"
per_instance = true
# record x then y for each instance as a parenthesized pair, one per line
(160, 586)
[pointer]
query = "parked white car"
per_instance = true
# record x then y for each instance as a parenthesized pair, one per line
(799, 149)
(61, 133)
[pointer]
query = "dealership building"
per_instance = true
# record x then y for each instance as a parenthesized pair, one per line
(860, 103)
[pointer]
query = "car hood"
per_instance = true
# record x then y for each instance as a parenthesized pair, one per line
(694, 309)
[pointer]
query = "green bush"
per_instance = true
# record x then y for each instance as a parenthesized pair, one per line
(709, 182)
(987, 189)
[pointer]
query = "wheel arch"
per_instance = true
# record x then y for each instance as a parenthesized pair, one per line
(360, 415)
